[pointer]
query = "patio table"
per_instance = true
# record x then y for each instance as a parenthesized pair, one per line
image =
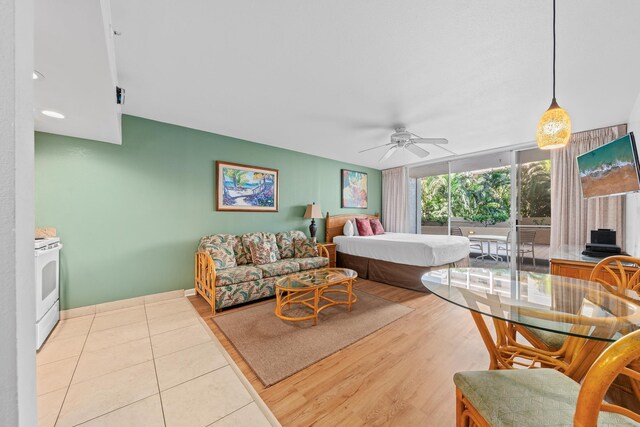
(488, 238)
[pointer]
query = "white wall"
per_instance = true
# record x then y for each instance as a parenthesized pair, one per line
(632, 227)
(17, 290)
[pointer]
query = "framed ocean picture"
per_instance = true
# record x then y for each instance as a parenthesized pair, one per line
(611, 169)
(243, 188)
(354, 189)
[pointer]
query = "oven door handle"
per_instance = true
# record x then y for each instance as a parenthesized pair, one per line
(57, 248)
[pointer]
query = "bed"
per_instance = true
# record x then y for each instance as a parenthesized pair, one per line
(397, 259)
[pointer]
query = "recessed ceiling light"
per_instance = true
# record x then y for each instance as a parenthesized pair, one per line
(37, 75)
(53, 114)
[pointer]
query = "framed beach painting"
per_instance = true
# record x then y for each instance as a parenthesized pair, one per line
(243, 188)
(354, 189)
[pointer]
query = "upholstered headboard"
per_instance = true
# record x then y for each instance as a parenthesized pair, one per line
(334, 224)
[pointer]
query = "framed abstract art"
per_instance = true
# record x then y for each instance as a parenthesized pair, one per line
(243, 188)
(354, 189)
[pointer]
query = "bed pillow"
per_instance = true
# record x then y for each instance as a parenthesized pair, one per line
(376, 227)
(347, 230)
(262, 252)
(355, 227)
(305, 248)
(364, 227)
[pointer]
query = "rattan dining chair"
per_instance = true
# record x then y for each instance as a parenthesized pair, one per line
(618, 272)
(540, 397)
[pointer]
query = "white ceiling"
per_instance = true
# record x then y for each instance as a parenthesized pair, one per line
(333, 77)
(73, 50)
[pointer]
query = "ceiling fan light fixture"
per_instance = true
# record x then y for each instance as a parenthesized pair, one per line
(554, 128)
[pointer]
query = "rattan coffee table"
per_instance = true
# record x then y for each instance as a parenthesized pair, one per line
(314, 290)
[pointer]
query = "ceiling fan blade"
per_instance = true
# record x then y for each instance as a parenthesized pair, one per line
(373, 148)
(420, 152)
(389, 152)
(429, 140)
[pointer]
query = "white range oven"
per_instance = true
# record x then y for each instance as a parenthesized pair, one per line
(47, 263)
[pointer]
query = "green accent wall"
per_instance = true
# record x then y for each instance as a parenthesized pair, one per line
(130, 216)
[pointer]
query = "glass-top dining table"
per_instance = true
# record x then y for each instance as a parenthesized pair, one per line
(581, 317)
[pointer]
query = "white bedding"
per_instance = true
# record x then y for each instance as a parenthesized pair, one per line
(413, 249)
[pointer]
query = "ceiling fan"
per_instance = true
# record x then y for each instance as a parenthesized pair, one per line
(402, 139)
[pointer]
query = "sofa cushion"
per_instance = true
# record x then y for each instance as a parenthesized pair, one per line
(213, 240)
(216, 239)
(311, 263)
(526, 397)
(239, 293)
(220, 247)
(242, 257)
(284, 241)
(262, 252)
(222, 255)
(259, 237)
(305, 248)
(239, 274)
(279, 268)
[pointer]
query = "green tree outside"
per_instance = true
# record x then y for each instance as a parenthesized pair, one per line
(484, 197)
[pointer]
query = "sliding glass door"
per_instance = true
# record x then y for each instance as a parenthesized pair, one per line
(501, 202)
(533, 210)
(481, 205)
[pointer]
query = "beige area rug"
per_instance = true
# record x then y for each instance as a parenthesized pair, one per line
(276, 349)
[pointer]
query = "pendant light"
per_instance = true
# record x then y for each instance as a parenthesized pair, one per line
(554, 128)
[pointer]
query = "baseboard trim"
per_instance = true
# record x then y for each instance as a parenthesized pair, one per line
(189, 292)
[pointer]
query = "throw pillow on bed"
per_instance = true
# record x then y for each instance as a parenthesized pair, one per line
(364, 227)
(305, 248)
(347, 230)
(355, 227)
(262, 252)
(376, 226)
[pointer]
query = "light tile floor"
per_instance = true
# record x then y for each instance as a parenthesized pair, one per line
(144, 362)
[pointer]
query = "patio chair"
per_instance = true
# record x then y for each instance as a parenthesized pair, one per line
(527, 245)
(540, 397)
(457, 231)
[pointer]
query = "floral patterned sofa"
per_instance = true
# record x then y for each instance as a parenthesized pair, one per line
(226, 274)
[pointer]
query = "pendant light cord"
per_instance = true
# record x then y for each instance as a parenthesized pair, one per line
(554, 49)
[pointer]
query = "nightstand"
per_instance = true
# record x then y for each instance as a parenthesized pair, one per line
(331, 248)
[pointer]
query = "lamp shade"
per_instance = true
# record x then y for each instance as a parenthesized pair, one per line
(554, 128)
(313, 211)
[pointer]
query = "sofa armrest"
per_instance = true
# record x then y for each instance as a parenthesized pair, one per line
(205, 278)
(323, 251)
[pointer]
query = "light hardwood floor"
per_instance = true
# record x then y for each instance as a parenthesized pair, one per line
(401, 375)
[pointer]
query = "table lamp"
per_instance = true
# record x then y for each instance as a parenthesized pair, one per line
(312, 212)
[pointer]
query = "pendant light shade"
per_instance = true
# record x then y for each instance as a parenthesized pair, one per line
(554, 128)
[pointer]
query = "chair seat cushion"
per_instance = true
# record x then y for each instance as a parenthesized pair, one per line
(311, 263)
(239, 274)
(279, 268)
(552, 340)
(526, 397)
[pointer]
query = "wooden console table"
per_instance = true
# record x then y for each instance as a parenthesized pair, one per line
(569, 262)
